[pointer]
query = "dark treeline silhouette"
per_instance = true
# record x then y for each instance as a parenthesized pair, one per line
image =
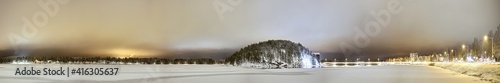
(107, 60)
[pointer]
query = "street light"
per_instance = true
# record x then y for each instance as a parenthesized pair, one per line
(467, 51)
(491, 38)
(451, 55)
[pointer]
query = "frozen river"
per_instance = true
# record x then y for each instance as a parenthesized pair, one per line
(226, 74)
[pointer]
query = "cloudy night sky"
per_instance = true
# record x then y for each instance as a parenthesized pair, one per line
(194, 29)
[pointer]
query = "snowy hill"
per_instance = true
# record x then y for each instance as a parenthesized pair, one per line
(274, 54)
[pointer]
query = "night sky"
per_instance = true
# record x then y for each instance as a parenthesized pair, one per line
(194, 29)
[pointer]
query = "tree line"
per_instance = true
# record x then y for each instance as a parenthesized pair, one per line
(108, 60)
(487, 46)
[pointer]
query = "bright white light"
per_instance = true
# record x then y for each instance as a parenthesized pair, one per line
(21, 62)
(309, 62)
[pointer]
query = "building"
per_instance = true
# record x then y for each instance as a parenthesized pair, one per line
(413, 57)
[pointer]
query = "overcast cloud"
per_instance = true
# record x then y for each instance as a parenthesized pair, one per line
(180, 28)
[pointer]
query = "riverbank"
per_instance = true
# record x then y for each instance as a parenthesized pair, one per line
(488, 72)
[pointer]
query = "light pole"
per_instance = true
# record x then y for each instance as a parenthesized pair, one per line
(491, 38)
(451, 55)
(467, 51)
(446, 56)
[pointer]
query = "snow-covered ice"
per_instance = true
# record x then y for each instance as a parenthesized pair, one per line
(232, 74)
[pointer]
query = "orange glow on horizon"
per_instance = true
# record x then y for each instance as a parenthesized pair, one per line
(125, 52)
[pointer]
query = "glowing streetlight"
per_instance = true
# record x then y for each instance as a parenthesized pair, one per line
(451, 55)
(467, 51)
(491, 38)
